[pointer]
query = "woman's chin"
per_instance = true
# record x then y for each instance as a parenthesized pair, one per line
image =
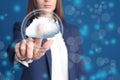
(47, 9)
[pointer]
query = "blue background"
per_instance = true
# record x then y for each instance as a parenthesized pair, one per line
(99, 23)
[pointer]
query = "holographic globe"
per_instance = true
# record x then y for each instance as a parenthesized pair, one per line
(41, 24)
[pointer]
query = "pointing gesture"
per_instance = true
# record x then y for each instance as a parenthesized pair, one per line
(31, 49)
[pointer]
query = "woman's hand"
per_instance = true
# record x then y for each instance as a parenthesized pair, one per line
(30, 49)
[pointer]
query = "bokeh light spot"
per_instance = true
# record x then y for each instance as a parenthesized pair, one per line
(3, 55)
(111, 4)
(77, 2)
(101, 37)
(8, 38)
(16, 8)
(101, 75)
(113, 41)
(91, 52)
(106, 42)
(45, 75)
(97, 27)
(87, 67)
(92, 78)
(4, 63)
(2, 18)
(84, 31)
(2, 45)
(110, 26)
(113, 71)
(8, 73)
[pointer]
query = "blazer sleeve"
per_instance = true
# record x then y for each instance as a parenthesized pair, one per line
(81, 64)
(16, 38)
(79, 67)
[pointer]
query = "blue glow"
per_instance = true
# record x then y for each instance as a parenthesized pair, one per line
(13, 45)
(16, 66)
(92, 78)
(101, 75)
(111, 4)
(106, 42)
(2, 17)
(97, 27)
(17, 8)
(91, 52)
(100, 6)
(98, 49)
(84, 30)
(5, 55)
(87, 67)
(82, 78)
(77, 2)
(4, 63)
(6, 14)
(113, 41)
(8, 73)
(113, 71)
(45, 75)
(101, 37)
(111, 26)
(82, 57)
(7, 78)
(76, 79)
(8, 37)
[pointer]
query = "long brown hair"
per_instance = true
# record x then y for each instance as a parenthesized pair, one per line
(32, 5)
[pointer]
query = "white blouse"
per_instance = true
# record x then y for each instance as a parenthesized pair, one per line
(59, 58)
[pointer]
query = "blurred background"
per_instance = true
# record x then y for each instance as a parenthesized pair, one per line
(99, 23)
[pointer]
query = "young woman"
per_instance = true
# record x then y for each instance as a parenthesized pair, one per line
(57, 63)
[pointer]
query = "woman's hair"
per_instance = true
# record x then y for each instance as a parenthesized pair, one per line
(32, 5)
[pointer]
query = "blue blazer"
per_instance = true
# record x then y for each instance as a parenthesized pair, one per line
(41, 69)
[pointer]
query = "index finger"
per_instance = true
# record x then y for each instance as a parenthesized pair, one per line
(37, 43)
(47, 44)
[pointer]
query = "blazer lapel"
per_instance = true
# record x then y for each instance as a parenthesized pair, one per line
(49, 61)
